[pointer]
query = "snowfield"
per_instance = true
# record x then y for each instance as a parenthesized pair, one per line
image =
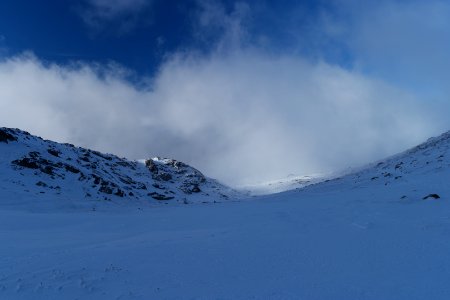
(382, 232)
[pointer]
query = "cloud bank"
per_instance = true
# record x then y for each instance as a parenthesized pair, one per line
(241, 118)
(239, 113)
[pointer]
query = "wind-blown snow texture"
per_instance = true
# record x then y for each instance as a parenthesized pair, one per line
(382, 232)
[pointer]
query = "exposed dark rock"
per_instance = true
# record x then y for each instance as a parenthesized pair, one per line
(47, 170)
(195, 188)
(155, 185)
(34, 154)
(176, 164)
(158, 196)
(434, 196)
(85, 157)
(6, 137)
(150, 164)
(97, 179)
(162, 176)
(196, 176)
(190, 188)
(119, 193)
(26, 163)
(54, 152)
(106, 189)
(71, 169)
(104, 156)
(34, 161)
(126, 179)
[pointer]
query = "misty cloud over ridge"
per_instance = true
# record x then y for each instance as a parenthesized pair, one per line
(241, 117)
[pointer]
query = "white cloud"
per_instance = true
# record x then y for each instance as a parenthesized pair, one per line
(100, 13)
(239, 113)
(228, 28)
(407, 42)
(240, 117)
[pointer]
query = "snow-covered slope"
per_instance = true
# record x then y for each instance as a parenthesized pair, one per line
(424, 165)
(36, 172)
(382, 232)
(420, 173)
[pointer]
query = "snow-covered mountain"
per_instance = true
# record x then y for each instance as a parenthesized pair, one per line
(36, 170)
(425, 165)
(420, 173)
(291, 182)
(380, 232)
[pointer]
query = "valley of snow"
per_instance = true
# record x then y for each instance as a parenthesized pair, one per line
(382, 232)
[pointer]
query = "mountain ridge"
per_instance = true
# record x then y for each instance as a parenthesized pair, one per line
(41, 168)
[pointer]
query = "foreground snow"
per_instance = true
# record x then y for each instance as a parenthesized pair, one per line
(331, 242)
(380, 233)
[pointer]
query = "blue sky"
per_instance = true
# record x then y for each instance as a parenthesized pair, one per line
(244, 90)
(140, 34)
(63, 31)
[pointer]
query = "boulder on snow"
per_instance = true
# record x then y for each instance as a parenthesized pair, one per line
(159, 196)
(434, 196)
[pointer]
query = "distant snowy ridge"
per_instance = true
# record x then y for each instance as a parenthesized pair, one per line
(35, 172)
(427, 158)
(419, 173)
(33, 168)
(283, 184)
